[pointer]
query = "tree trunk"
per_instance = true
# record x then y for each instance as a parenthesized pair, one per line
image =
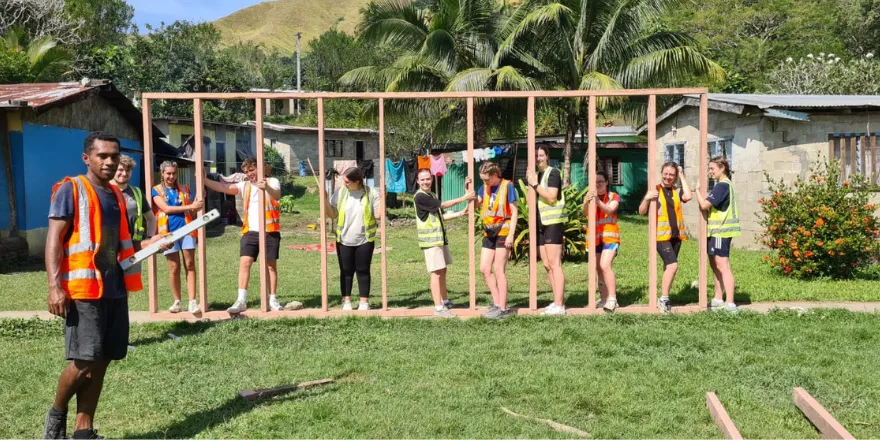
(10, 181)
(570, 131)
(479, 126)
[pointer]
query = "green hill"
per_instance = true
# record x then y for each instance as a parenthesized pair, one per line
(274, 24)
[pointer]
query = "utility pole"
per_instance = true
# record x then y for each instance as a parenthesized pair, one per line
(298, 70)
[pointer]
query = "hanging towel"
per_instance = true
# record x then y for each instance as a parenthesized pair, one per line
(490, 153)
(425, 162)
(302, 168)
(464, 156)
(340, 166)
(498, 150)
(395, 176)
(449, 158)
(438, 165)
(367, 167)
(412, 173)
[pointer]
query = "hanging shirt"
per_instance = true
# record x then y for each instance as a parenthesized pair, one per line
(438, 165)
(395, 177)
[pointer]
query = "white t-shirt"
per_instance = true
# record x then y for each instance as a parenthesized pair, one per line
(253, 208)
(353, 230)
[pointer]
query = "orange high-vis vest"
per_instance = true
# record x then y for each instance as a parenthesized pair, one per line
(80, 277)
(496, 218)
(162, 217)
(664, 225)
(607, 230)
(272, 212)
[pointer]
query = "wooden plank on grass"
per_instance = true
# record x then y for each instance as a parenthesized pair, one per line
(284, 389)
(722, 419)
(818, 416)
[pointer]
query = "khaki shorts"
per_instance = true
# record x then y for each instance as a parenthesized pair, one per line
(437, 258)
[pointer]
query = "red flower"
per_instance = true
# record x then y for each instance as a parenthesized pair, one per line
(808, 254)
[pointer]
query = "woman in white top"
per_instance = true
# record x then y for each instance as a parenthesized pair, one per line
(357, 211)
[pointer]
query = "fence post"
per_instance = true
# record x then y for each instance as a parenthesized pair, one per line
(702, 165)
(472, 275)
(200, 195)
(382, 201)
(532, 200)
(323, 197)
(591, 213)
(148, 193)
(264, 278)
(652, 206)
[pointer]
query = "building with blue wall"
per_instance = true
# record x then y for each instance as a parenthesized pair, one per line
(42, 130)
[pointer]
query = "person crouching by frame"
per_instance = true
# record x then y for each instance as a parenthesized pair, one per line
(432, 236)
(670, 223)
(357, 210)
(498, 212)
(607, 237)
(249, 247)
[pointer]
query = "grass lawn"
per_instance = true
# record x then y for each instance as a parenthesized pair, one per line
(621, 376)
(24, 288)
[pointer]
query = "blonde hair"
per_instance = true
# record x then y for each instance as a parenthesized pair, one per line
(490, 168)
(126, 162)
(722, 161)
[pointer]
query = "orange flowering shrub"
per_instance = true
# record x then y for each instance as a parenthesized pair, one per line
(822, 226)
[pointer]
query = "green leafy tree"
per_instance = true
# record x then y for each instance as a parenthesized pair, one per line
(32, 60)
(592, 45)
(826, 74)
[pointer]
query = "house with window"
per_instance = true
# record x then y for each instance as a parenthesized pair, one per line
(297, 144)
(620, 151)
(780, 135)
(225, 145)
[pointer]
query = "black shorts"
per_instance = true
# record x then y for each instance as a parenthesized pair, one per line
(550, 234)
(719, 246)
(250, 245)
(97, 330)
(494, 242)
(668, 250)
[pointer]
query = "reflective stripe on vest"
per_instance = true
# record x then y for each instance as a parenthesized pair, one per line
(496, 218)
(430, 231)
(80, 278)
(725, 224)
(162, 217)
(607, 230)
(139, 228)
(552, 212)
(370, 224)
(272, 213)
(664, 226)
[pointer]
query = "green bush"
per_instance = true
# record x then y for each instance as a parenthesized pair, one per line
(286, 204)
(822, 226)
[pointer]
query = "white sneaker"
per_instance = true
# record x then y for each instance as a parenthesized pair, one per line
(363, 306)
(717, 305)
(194, 307)
(275, 306)
(175, 308)
(346, 306)
(610, 305)
(554, 310)
(238, 307)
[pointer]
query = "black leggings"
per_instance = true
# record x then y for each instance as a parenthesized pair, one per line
(355, 259)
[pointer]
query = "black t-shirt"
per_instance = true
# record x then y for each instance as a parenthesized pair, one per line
(554, 180)
(670, 210)
(106, 260)
(426, 205)
(720, 196)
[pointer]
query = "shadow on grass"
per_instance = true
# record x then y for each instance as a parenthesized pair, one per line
(179, 328)
(198, 422)
(23, 265)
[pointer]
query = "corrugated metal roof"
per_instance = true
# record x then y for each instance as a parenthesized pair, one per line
(797, 101)
(40, 94)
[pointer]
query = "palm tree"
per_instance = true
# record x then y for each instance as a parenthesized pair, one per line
(44, 60)
(600, 45)
(449, 45)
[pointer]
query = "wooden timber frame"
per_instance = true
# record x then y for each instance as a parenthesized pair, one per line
(591, 96)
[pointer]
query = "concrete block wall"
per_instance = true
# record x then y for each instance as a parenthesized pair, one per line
(295, 147)
(784, 149)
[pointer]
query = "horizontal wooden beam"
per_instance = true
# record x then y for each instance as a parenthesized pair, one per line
(429, 95)
(818, 416)
(722, 419)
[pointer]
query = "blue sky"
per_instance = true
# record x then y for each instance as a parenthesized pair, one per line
(155, 11)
